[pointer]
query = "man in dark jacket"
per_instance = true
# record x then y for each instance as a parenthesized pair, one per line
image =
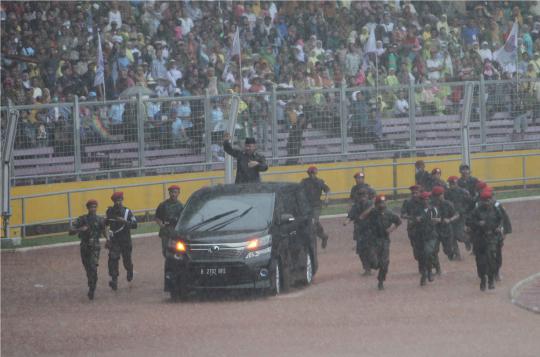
(248, 162)
(426, 237)
(467, 181)
(360, 184)
(120, 220)
(361, 229)
(461, 200)
(408, 210)
(314, 187)
(446, 215)
(421, 176)
(90, 227)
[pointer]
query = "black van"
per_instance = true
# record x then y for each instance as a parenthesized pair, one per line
(243, 236)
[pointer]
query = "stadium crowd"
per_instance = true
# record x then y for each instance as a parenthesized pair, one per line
(49, 53)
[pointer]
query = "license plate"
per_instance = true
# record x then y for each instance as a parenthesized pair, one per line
(209, 272)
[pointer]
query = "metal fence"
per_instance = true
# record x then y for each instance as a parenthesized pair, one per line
(148, 136)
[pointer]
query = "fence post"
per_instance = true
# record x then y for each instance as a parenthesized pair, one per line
(273, 117)
(77, 137)
(467, 107)
(23, 218)
(412, 119)
(483, 112)
(343, 120)
(208, 130)
(69, 208)
(524, 171)
(140, 129)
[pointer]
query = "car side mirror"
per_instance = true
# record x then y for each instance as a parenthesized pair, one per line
(286, 218)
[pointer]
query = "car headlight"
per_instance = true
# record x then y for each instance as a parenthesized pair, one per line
(258, 253)
(258, 243)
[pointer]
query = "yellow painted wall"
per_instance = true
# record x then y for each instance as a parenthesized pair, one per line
(339, 176)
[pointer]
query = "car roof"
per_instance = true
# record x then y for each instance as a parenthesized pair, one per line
(264, 187)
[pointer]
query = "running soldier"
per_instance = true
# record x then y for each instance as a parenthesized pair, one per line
(421, 177)
(314, 187)
(120, 220)
(408, 210)
(461, 200)
(381, 223)
(90, 227)
(361, 229)
(446, 215)
(467, 181)
(488, 223)
(435, 180)
(248, 161)
(167, 214)
(360, 183)
(426, 238)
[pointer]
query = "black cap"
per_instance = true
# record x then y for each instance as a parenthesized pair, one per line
(250, 141)
(463, 167)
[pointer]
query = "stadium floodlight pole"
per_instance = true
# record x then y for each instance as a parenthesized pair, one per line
(7, 153)
(233, 115)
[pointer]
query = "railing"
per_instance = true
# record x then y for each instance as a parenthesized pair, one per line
(398, 184)
(147, 136)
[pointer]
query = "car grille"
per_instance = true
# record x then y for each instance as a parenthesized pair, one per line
(209, 254)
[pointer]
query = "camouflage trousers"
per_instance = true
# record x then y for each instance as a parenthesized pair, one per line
(379, 257)
(90, 261)
(120, 248)
(362, 248)
(488, 259)
(427, 254)
(446, 238)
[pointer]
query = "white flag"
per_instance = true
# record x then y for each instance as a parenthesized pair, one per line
(235, 50)
(371, 44)
(507, 54)
(100, 68)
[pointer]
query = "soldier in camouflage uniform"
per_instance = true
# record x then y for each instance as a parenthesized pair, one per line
(120, 220)
(167, 214)
(467, 181)
(408, 209)
(435, 180)
(381, 223)
(426, 237)
(359, 179)
(361, 230)
(90, 227)
(461, 200)
(446, 215)
(488, 223)
(314, 187)
(421, 177)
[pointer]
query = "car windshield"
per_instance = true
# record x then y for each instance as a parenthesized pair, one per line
(227, 213)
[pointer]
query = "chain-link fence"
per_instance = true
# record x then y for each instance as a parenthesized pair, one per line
(145, 136)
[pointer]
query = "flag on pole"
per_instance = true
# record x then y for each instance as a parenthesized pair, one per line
(235, 50)
(507, 54)
(99, 79)
(371, 44)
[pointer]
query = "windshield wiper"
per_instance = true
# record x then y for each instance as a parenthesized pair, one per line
(211, 219)
(229, 221)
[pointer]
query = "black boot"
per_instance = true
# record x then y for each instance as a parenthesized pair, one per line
(429, 276)
(91, 293)
(491, 283)
(423, 279)
(129, 275)
(113, 284)
(324, 239)
(381, 285)
(438, 268)
(483, 283)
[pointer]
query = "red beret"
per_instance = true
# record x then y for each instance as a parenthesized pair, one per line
(437, 191)
(312, 169)
(380, 198)
(480, 185)
(486, 194)
(91, 202)
(414, 188)
(358, 174)
(174, 187)
(117, 195)
(425, 195)
(436, 171)
(453, 179)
